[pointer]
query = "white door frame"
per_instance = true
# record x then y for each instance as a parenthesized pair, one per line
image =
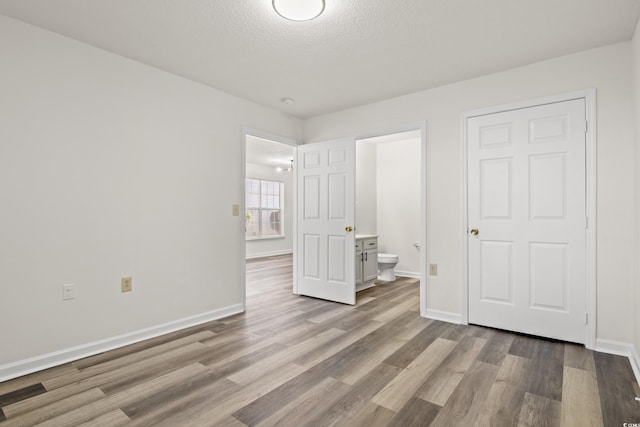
(589, 96)
(424, 248)
(247, 131)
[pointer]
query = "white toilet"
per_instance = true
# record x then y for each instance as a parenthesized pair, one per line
(386, 265)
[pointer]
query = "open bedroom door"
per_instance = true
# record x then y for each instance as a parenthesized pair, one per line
(325, 217)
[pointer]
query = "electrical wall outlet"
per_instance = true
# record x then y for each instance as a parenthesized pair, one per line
(68, 292)
(126, 284)
(433, 269)
(235, 210)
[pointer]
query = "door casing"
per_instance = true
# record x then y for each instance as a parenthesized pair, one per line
(589, 96)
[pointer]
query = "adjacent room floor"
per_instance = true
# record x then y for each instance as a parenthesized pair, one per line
(293, 361)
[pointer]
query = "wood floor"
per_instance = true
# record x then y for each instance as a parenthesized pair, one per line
(293, 361)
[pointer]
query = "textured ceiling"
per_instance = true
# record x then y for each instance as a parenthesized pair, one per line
(357, 52)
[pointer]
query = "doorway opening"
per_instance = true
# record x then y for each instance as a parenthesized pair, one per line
(391, 202)
(388, 196)
(268, 213)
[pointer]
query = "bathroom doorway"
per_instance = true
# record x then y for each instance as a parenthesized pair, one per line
(268, 208)
(388, 196)
(391, 199)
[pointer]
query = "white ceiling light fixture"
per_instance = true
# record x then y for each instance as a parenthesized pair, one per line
(289, 169)
(299, 10)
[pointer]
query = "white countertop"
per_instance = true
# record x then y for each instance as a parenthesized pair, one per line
(365, 236)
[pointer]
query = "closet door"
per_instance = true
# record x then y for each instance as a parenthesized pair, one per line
(527, 220)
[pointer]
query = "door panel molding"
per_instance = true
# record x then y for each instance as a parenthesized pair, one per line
(326, 195)
(540, 132)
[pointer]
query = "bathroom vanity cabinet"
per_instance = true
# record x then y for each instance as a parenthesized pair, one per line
(366, 261)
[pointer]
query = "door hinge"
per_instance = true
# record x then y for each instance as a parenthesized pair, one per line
(586, 222)
(586, 318)
(586, 126)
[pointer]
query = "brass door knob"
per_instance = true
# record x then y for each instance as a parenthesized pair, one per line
(474, 231)
(348, 229)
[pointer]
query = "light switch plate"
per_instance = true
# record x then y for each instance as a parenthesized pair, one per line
(235, 210)
(433, 269)
(68, 292)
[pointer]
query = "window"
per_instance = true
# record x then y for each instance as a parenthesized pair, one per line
(264, 205)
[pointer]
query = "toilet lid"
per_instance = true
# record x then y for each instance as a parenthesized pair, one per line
(387, 258)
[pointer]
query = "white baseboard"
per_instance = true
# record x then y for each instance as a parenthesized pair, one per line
(635, 364)
(613, 347)
(444, 316)
(621, 349)
(411, 274)
(38, 363)
(272, 253)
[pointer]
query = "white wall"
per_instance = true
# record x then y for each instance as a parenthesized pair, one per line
(398, 170)
(281, 245)
(636, 97)
(366, 188)
(109, 168)
(607, 69)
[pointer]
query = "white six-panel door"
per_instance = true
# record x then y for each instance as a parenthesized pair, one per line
(527, 220)
(326, 214)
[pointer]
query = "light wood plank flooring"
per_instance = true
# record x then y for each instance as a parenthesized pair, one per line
(293, 361)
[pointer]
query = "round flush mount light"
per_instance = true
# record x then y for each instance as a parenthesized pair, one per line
(298, 10)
